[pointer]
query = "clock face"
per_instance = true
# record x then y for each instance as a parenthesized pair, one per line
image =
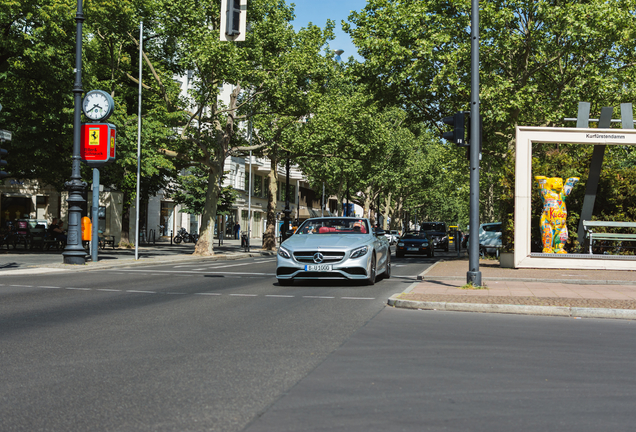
(97, 105)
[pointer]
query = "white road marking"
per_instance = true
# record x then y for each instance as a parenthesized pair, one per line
(244, 295)
(183, 272)
(212, 294)
(109, 290)
(51, 287)
(78, 289)
(23, 286)
(358, 298)
(318, 297)
(139, 291)
(278, 295)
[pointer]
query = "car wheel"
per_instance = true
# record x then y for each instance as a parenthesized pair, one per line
(387, 270)
(372, 272)
(285, 282)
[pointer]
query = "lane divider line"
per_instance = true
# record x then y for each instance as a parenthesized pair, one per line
(140, 291)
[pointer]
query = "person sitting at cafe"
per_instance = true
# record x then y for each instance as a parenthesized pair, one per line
(60, 234)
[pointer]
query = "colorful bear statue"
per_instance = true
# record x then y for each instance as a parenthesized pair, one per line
(554, 231)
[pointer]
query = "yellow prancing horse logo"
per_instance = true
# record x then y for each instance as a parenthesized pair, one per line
(93, 136)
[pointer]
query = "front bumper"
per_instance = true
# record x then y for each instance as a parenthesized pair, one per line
(347, 268)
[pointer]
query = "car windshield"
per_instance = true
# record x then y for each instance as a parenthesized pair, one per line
(334, 226)
(415, 235)
(433, 226)
(492, 228)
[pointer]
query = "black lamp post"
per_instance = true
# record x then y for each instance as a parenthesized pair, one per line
(287, 211)
(74, 252)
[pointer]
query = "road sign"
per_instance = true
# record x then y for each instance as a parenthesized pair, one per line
(97, 144)
(5, 135)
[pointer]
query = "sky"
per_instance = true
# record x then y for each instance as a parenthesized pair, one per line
(319, 11)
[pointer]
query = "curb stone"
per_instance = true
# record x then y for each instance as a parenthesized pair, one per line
(563, 311)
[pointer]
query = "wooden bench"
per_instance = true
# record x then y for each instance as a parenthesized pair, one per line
(588, 225)
(108, 240)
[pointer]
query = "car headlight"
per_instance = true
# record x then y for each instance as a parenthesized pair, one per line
(284, 253)
(361, 251)
(424, 244)
(400, 244)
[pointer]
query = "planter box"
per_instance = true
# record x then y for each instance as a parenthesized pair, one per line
(507, 259)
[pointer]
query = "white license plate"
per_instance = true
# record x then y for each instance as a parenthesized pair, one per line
(318, 267)
(413, 249)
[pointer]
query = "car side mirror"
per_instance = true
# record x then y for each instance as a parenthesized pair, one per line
(290, 233)
(379, 232)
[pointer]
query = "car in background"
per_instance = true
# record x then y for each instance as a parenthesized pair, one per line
(438, 232)
(392, 236)
(490, 241)
(334, 248)
(415, 242)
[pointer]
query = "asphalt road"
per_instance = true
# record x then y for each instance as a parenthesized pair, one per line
(201, 346)
(219, 346)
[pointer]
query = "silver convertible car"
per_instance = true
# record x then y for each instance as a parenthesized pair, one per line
(334, 248)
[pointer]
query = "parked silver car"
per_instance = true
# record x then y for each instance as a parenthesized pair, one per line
(334, 248)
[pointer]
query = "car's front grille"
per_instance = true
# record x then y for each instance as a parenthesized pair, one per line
(284, 271)
(328, 257)
(359, 271)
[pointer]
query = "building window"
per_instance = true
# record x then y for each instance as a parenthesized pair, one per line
(258, 186)
(292, 192)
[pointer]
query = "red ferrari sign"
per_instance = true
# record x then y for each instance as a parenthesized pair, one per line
(98, 143)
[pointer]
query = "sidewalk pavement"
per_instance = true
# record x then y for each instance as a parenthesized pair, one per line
(556, 292)
(25, 261)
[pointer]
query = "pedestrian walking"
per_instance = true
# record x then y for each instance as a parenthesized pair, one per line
(237, 230)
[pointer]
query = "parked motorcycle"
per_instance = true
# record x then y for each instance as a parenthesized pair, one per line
(183, 236)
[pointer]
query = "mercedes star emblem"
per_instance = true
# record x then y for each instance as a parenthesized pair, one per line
(318, 257)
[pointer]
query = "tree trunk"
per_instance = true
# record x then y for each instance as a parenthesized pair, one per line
(387, 208)
(125, 222)
(205, 245)
(269, 237)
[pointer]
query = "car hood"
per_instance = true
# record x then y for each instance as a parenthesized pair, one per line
(327, 241)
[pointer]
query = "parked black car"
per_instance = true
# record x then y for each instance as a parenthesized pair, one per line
(416, 242)
(438, 232)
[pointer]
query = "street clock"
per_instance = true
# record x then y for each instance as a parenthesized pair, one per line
(98, 105)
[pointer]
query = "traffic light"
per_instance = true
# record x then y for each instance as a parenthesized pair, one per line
(458, 134)
(3, 163)
(233, 17)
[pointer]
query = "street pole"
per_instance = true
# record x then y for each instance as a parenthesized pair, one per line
(474, 275)
(141, 41)
(322, 208)
(74, 252)
(95, 216)
(287, 211)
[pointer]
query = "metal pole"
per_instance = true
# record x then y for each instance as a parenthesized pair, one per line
(249, 196)
(95, 216)
(322, 209)
(74, 252)
(474, 275)
(286, 211)
(141, 41)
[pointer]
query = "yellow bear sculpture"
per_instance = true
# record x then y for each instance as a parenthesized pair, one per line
(554, 231)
